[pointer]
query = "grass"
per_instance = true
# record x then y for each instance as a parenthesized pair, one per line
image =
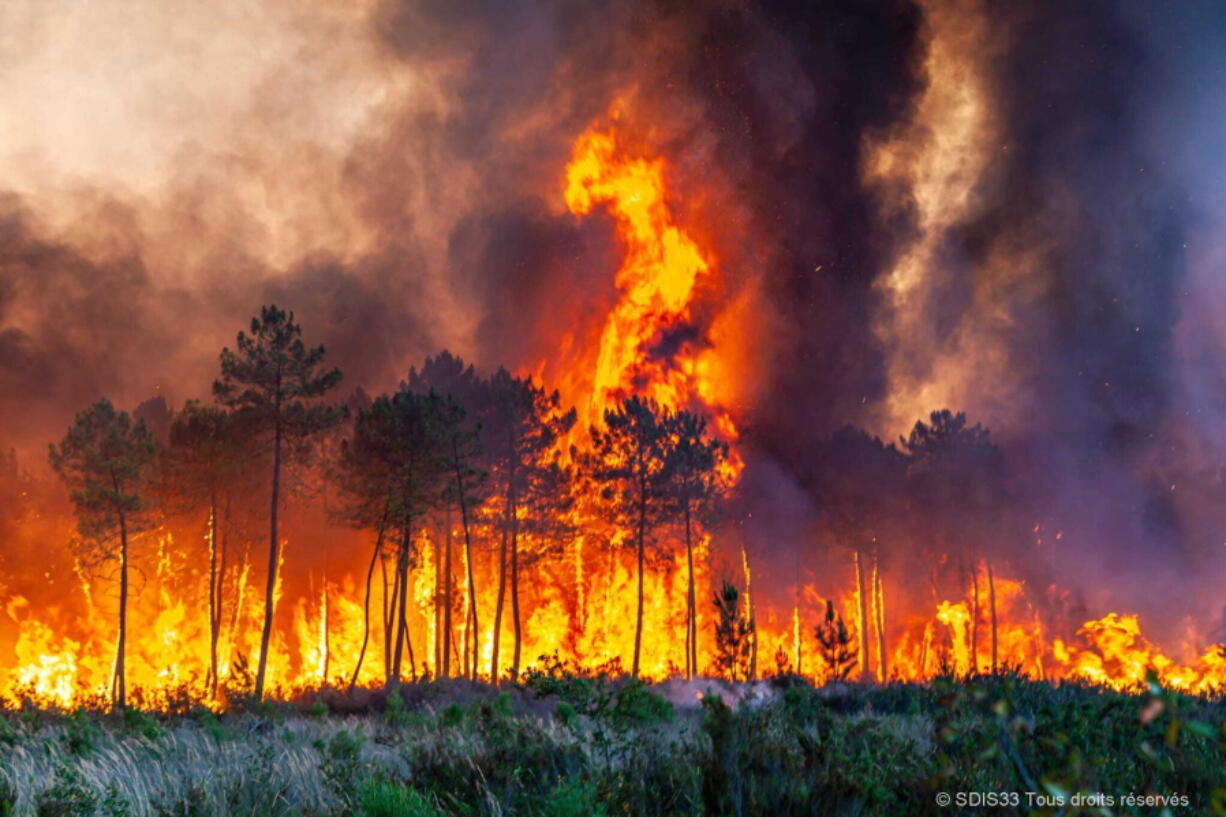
(562, 745)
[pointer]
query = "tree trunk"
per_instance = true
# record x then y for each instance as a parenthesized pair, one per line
(471, 615)
(691, 626)
(992, 613)
(975, 619)
(222, 565)
(447, 583)
(370, 575)
(402, 580)
(641, 546)
(389, 615)
(502, 592)
(214, 614)
(866, 671)
(515, 619)
(323, 616)
(273, 556)
(473, 628)
(120, 686)
(240, 593)
(753, 624)
(436, 552)
(879, 596)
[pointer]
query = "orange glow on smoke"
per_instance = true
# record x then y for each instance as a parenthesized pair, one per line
(580, 603)
(662, 270)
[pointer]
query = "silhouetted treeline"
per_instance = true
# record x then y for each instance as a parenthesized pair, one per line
(493, 465)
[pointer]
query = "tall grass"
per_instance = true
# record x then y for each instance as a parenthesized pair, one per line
(563, 746)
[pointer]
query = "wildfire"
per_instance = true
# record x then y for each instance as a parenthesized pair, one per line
(654, 342)
(650, 344)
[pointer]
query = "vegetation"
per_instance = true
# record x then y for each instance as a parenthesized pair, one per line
(274, 382)
(838, 653)
(733, 634)
(105, 460)
(491, 453)
(562, 743)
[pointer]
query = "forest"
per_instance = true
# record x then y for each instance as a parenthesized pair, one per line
(494, 468)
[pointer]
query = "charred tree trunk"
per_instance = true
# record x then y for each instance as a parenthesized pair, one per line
(975, 619)
(240, 586)
(402, 589)
(219, 606)
(437, 595)
(866, 671)
(502, 593)
(641, 546)
(447, 600)
(389, 612)
(273, 552)
(691, 625)
(120, 685)
(473, 641)
(992, 613)
(516, 621)
(375, 557)
(879, 604)
(323, 611)
(468, 560)
(214, 614)
(752, 670)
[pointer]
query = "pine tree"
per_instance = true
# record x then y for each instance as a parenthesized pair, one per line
(692, 485)
(397, 470)
(524, 426)
(106, 461)
(464, 406)
(202, 464)
(628, 460)
(835, 645)
(733, 634)
(956, 478)
(274, 381)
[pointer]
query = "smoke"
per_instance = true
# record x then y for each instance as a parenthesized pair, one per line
(912, 207)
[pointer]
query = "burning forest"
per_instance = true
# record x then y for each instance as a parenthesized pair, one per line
(870, 342)
(673, 375)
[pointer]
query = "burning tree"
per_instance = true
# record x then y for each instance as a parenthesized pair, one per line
(274, 381)
(361, 473)
(465, 401)
(692, 486)
(395, 471)
(628, 460)
(733, 634)
(105, 459)
(525, 424)
(837, 649)
(461, 445)
(205, 458)
(957, 481)
(860, 485)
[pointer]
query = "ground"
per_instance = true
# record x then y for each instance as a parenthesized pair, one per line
(562, 744)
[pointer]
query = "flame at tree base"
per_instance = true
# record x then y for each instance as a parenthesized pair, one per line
(169, 658)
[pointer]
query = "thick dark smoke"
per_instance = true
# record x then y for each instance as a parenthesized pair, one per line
(437, 221)
(1082, 189)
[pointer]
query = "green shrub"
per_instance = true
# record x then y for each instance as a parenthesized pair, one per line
(383, 799)
(80, 733)
(574, 798)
